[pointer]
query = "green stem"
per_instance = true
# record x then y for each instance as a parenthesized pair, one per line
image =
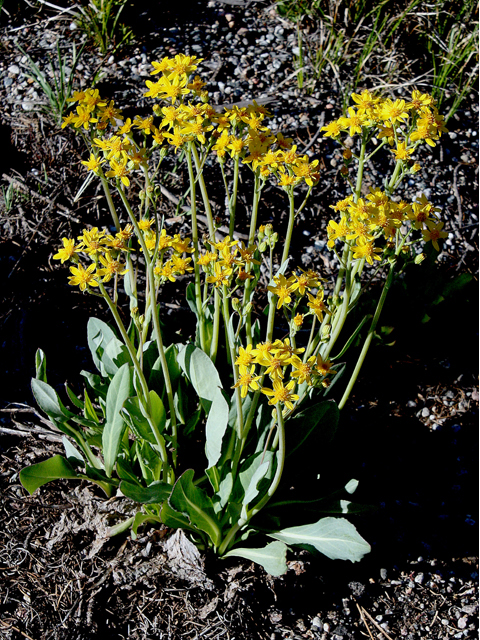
(230, 537)
(216, 327)
(203, 189)
(291, 221)
(369, 338)
(156, 322)
(198, 289)
(232, 202)
(108, 195)
(231, 348)
(251, 238)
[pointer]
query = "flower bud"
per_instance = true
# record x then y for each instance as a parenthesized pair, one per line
(236, 305)
(142, 195)
(344, 171)
(419, 258)
(347, 154)
(326, 331)
(262, 247)
(150, 189)
(269, 230)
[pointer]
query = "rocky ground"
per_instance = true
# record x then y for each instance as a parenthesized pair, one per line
(409, 435)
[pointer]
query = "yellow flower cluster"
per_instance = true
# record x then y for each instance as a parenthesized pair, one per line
(230, 261)
(295, 287)
(386, 117)
(278, 359)
(240, 131)
(104, 252)
(378, 216)
(171, 261)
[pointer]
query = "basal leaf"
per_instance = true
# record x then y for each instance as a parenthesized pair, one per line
(336, 538)
(39, 474)
(40, 366)
(215, 428)
(98, 335)
(201, 372)
(195, 503)
(121, 387)
(156, 493)
(273, 557)
(73, 455)
(48, 400)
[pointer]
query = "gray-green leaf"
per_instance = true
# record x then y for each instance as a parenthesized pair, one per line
(121, 387)
(272, 557)
(336, 538)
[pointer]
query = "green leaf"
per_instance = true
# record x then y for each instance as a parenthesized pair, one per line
(273, 557)
(174, 519)
(40, 366)
(39, 474)
(336, 538)
(139, 519)
(73, 455)
(115, 356)
(195, 503)
(319, 423)
(125, 470)
(98, 335)
(190, 297)
(201, 372)
(121, 387)
(156, 493)
(48, 400)
(215, 428)
(89, 412)
(352, 338)
(97, 384)
(135, 419)
(73, 398)
(158, 413)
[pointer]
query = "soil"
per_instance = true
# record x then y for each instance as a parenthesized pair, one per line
(409, 436)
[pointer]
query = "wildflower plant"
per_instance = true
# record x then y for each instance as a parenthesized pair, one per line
(252, 385)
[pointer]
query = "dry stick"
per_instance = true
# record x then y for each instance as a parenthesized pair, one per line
(7, 626)
(364, 621)
(374, 622)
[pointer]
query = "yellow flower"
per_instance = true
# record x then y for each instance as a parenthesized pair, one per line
(83, 277)
(317, 305)
(332, 129)
(281, 393)
(394, 111)
(365, 249)
(433, 233)
(282, 289)
(110, 268)
(93, 164)
(67, 252)
(353, 122)
(245, 356)
(119, 170)
(247, 380)
(303, 371)
(401, 152)
(298, 320)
